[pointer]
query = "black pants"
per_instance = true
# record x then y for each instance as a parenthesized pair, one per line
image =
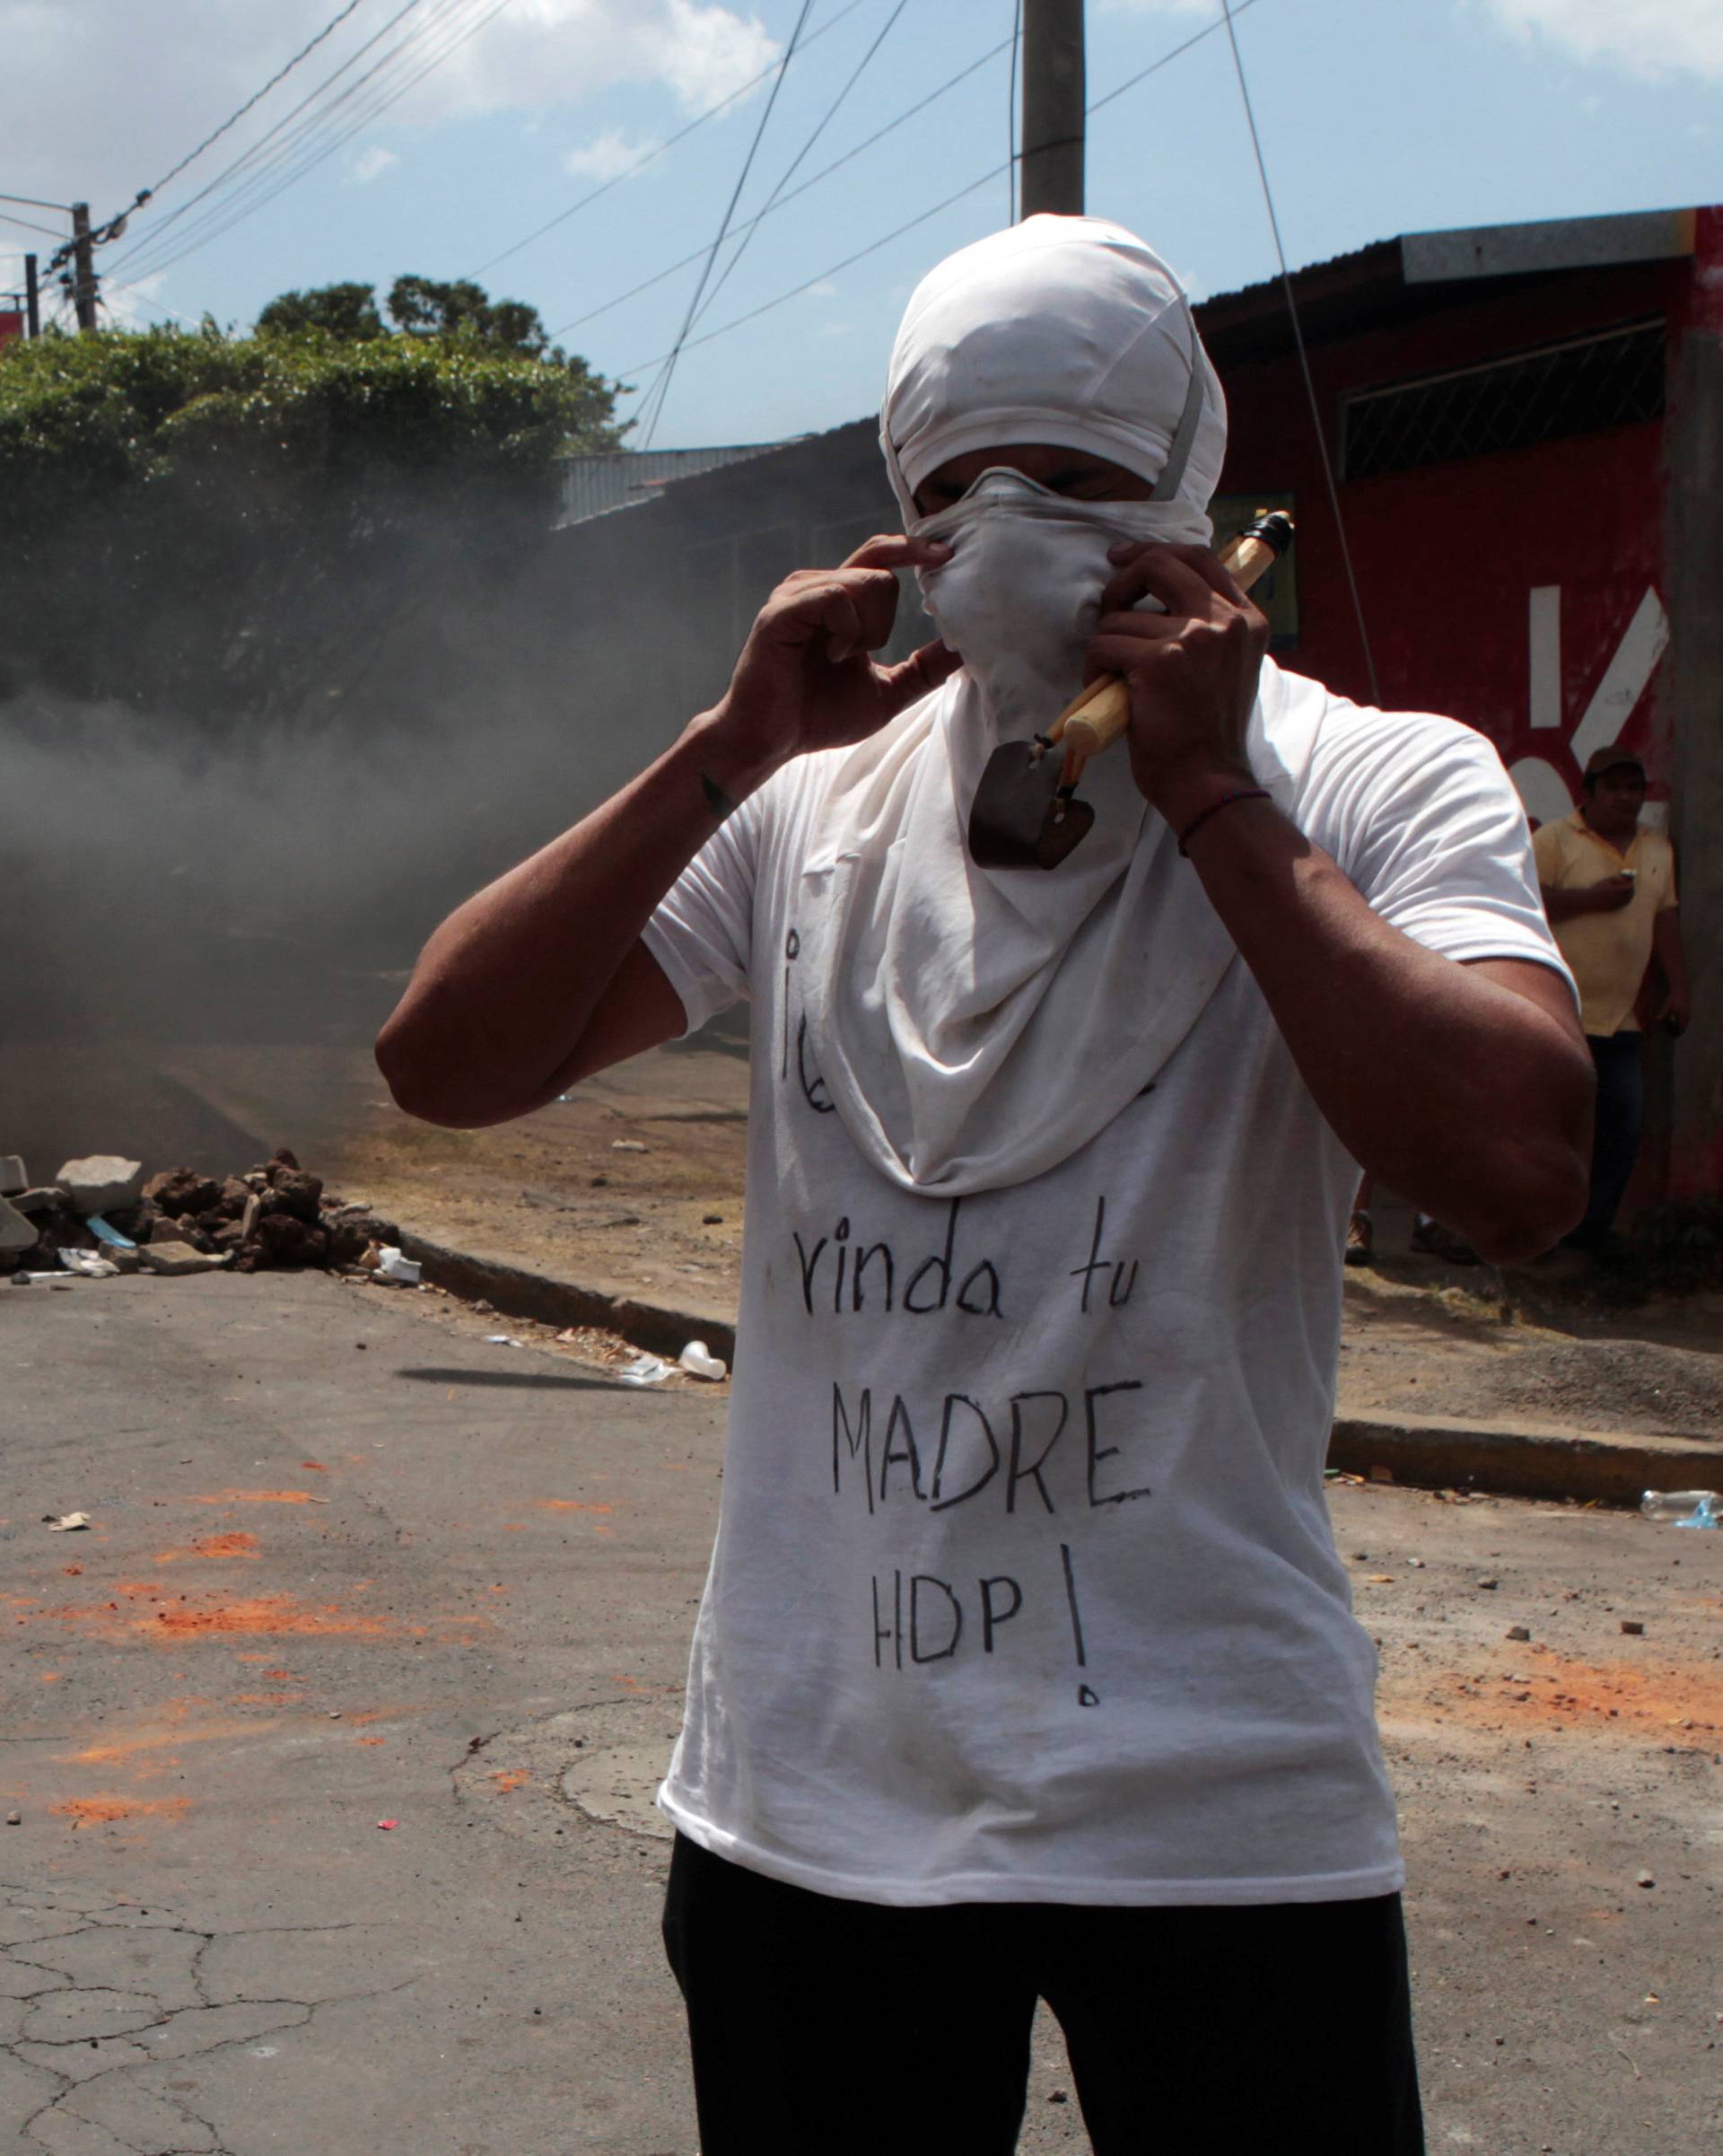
(1620, 1062)
(823, 2027)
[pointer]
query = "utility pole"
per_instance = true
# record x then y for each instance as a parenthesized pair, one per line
(83, 268)
(32, 298)
(1054, 96)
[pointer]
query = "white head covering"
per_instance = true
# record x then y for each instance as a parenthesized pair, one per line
(1067, 330)
(975, 1026)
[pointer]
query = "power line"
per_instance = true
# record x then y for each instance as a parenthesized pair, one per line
(783, 201)
(247, 156)
(281, 75)
(836, 269)
(1304, 358)
(974, 185)
(746, 234)
(25, 226)
(660, 389)
(237, 209)
(658, 150)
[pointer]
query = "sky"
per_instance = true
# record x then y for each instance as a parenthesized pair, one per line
(479, 144)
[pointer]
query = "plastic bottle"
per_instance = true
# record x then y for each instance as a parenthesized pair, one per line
(1683, 1507)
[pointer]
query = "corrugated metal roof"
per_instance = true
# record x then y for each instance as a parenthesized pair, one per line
(623, 478)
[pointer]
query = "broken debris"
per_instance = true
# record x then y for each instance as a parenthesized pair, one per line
(101, 1182)
(275, 1216)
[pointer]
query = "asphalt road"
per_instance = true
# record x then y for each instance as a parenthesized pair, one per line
(448, 1585)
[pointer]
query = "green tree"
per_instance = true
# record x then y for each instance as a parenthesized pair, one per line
(348, 310)
(216, 520)
(422, 307)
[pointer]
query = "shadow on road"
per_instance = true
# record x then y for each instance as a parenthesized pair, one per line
(530, 1380)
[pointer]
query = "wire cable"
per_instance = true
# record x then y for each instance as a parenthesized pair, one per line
(1304, 358)
(974, 185)
(250, 156)
(25, 225)
(352, 126)
(747, 233)
(660, 389)
(657, 150)
(280, 75)
(836, 268)
(783, 201)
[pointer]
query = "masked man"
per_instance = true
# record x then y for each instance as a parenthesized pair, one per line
(1026, 1667)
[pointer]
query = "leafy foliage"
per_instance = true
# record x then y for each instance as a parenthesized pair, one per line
(199, 515)
(342, 310)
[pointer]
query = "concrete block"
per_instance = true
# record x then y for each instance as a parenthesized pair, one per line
(43, 1198)
(173, 1258)
(16, 1233)
(12, 1178)
(102, 1182)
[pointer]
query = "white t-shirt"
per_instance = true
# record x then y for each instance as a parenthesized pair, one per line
(1024, 1587)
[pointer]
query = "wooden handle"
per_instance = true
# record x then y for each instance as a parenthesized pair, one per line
(1096, 719)
(1103, 716)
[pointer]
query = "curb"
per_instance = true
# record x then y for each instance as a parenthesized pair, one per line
(1437, 1452)
(515, 1293)
(1522, 1459)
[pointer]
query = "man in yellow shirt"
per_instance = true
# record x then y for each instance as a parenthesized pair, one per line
(1609, 888)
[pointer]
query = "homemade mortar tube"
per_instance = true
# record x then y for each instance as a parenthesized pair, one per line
(1096, 719)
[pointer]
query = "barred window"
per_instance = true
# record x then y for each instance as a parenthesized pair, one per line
(1573, 388)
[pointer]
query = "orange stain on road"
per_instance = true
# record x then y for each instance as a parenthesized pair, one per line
(1651, 1698)
(121, 1751)
(236, 1545)
(109, 1811)
(146, 1610)
(258, 1497)
(569, 1505)
(508, 1779)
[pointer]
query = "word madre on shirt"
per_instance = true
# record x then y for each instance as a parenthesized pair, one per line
(1043, 1453)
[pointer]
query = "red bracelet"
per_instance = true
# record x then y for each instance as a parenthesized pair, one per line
(1214, 809)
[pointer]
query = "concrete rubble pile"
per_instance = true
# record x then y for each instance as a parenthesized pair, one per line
(100, 1215)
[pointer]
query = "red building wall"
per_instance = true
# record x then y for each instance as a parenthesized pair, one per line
(1447, 556)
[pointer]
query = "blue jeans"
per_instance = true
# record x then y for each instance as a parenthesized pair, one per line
(1619, 1060)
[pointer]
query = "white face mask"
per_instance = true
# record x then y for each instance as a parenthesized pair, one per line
(1021, 594)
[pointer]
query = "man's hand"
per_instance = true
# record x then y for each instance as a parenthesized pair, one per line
(1610, 894)
(1192, 672)
(805, 679)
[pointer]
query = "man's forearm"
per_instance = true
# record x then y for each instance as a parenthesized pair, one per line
(506, 987)
(1465, 1097)
(1670, 951)
(1562, 904)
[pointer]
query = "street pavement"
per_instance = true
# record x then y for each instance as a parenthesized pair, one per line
(332, 1741)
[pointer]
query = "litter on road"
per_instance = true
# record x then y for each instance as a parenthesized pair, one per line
(64, 1523)
(643, 1369)
(698, 1360)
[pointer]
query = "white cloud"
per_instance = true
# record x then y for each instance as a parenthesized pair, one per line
(540, 53)
(203, 58)
(371, 163)
(824, 289)
(608, 156)
(1656, 38)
